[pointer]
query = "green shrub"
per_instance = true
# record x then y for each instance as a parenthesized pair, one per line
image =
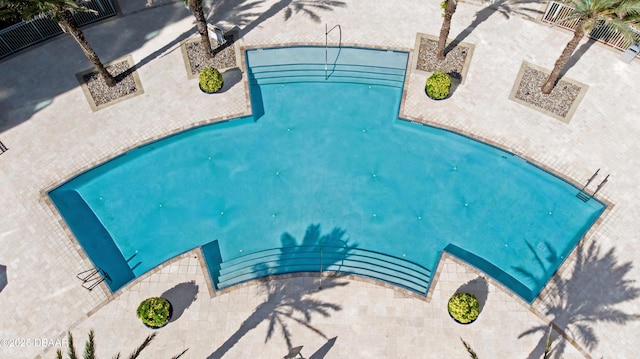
(154, 312)
(464, 307)
(438, 85)
(210, 79)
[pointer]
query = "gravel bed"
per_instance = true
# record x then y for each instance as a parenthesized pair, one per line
(560, 99)
(224, 55)
(558, 102)
(101, 93)
(452, 63)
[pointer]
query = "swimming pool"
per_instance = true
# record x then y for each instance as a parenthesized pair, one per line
(331, 154)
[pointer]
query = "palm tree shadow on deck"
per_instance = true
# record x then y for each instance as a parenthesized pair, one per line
(596, 285)
(288, 302)
(22, 99)
(505, 7)
(576, 56)
(242, 13)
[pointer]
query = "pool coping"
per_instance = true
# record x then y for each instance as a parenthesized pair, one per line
(564, 174)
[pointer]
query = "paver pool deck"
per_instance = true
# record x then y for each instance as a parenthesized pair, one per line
(52, 133)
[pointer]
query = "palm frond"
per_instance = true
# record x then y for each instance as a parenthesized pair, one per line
(72, 349)
(547, 345)
(272, 324)
(287, 13)
(629, 7)
(613, 316)
(144, 344)
(531, 331)
(469, 350)
(587, 335)
(309, 326)
(30, 9)
(179, 355)
(286, 334)
(89, 347)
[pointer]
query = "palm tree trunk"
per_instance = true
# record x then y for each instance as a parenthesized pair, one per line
(446, 27)
(201, 24)
(70, 25)
(563, 59)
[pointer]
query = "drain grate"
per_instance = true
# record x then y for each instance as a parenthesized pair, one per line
(3, 148)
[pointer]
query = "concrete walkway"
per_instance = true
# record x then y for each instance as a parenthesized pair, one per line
(52, 134)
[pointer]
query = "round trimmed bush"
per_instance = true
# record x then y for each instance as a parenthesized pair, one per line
(464, 307)
(210, 79)
(154, 312)
(438, 85)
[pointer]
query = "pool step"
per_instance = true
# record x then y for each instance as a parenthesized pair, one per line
(355, 261)
(334, 64)
(292, 73)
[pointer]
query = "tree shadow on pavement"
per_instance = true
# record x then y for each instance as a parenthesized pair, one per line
(589, 295)
(288, 301)
(479, 288)
(249, 14)
(505, 8)
(31, 84)
(181, 296)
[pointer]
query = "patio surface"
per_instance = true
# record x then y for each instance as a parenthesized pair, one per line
(52, 134)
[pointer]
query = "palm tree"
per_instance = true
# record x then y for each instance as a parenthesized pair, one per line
(547, 345)
(201, 23)
(472, 354)
(586, 15)
(90, 348)
(449, 7)
(61, 11)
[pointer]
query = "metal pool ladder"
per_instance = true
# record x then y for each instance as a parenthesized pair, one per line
(92, 277)
(584, 195)
(326, 45)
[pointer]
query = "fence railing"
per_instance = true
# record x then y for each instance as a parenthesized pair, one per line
(24, 34)
(556, 12)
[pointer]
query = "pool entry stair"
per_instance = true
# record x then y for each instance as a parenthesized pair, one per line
(331, 64)
(315, 258)
(584, 195)
(3, 148)
(92, 277)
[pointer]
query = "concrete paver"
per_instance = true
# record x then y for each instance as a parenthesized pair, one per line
(53, 135)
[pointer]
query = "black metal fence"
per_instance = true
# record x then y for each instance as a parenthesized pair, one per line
(24, 34)
(557, 12)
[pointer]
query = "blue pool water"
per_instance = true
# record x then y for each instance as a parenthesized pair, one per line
(331, 153)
